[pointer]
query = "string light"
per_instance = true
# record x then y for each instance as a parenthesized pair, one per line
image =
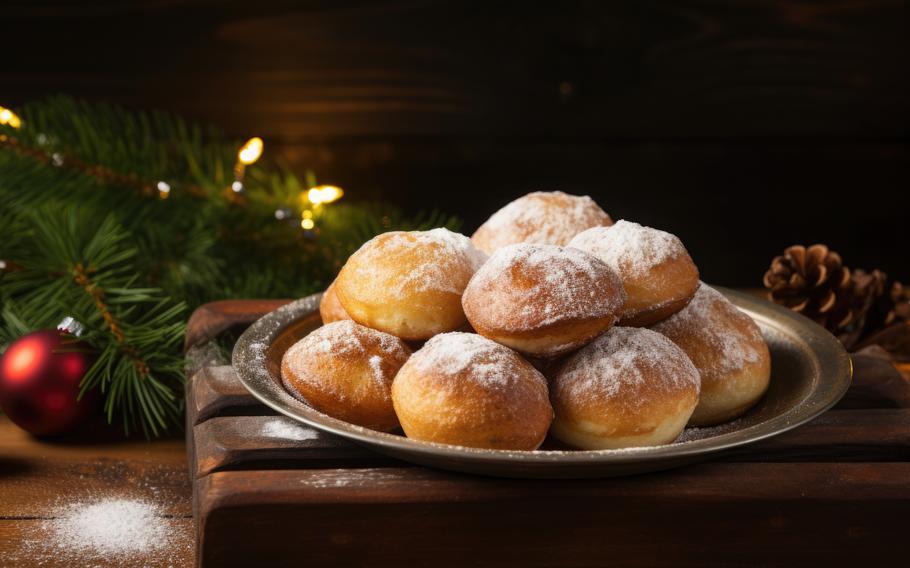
(246, 156)
(307, 224)
(9, 118)
(250, 151)
(324, 194)
(164, 189)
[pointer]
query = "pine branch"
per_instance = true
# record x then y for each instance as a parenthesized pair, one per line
(84, 232)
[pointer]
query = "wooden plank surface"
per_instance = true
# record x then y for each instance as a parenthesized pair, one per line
(777, 514)
(37, 478)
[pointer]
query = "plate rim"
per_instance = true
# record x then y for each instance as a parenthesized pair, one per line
(833, 363)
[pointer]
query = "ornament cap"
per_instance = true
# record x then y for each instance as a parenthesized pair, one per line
(71, 325)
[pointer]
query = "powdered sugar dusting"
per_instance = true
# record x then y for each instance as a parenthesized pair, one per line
(346, 339)
(693, 434)
(436, 257)
(611, 368)
(525, 286)
(284, 429)
(483, 361)
(112, 526)
(540, 217)
(718, 325)
(629, 248)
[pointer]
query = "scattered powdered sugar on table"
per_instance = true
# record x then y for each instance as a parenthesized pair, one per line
(110, 526)
(531, 285)
(629, 248)
(611, 367)
(102, 531)
(287, 430)
(541, 217)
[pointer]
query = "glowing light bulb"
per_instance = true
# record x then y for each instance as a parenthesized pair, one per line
(8, 117)
(164, 189)
(250, 151)
(307, 224)
(324, 194)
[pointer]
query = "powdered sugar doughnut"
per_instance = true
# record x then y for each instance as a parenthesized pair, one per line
(629, 387)
(464, 389)
(409, 284)
(330, 307)
(543, 300)
(345, 370)
(727, 348)
(656, 270)
(543, 217)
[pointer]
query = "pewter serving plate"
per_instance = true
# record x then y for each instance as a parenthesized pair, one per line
(810, 371)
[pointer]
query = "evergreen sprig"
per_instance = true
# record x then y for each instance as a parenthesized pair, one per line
(81, 235)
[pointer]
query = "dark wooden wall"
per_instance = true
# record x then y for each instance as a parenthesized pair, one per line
(743, 126)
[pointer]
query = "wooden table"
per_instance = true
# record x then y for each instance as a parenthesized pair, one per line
(853, 492)
(36, 477)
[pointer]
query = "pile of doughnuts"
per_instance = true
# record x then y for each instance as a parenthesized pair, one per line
(549, 320)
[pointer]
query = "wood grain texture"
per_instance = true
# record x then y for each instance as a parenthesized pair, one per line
(214, 318)
(713, 513)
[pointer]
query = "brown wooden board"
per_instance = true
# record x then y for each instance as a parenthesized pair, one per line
(271, 491)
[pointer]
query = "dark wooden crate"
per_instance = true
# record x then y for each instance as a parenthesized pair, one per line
(268, 491)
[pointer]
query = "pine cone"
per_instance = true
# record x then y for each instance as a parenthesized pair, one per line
(814, 282)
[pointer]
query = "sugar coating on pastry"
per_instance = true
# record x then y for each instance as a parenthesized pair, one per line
(544, 217)
(657, 272)
(409, 283)
(629, 387)
(629, 248)
(543, 299)
(345, 370)
(728, 349)
(461, 388)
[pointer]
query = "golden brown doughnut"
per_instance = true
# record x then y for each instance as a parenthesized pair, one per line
(629, 387)
(543, 300)
(409, 284)
(464, 389)
(543, 217)
(330, 308)
(727, 348)
(656, 270)
(346, 370)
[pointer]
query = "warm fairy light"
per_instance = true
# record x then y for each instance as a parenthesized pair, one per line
(250, 151)
(307, 224)
(237, 186)
(9, 118)
(324, 194)
(164, 189)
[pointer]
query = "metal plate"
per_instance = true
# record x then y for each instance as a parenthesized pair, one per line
(810, 372)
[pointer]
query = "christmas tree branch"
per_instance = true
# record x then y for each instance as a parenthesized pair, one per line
(87, 230)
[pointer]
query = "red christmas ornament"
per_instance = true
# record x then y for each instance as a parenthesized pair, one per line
(39, 382)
